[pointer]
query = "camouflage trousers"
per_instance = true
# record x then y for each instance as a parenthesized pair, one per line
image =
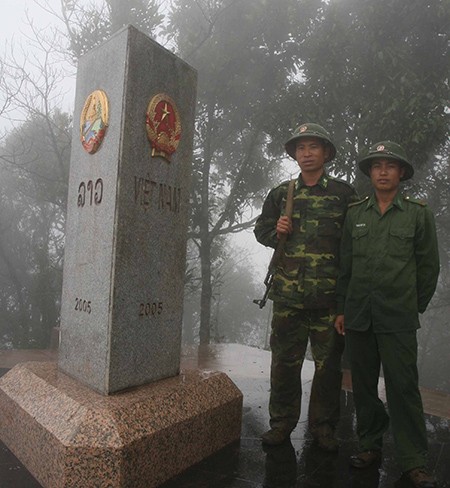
(291, 330)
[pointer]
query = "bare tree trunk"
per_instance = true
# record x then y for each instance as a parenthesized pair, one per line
(118, 10)
(20, 333)
(205, 237)
(206, 294)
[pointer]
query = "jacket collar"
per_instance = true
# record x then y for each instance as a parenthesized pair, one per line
(323, 181)
(397, 202)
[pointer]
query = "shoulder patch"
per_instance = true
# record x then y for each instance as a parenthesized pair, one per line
(422, 203)
(358, 202)
(338, 180)
(281, 188)
(283, 183)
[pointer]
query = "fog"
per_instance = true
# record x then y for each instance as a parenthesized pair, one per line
(264, 68)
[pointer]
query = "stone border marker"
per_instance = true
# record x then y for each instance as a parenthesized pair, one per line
(127, 215)
(117, 412)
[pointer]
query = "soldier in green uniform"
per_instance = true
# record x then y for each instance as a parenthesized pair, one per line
(303, 290)
(389, 271)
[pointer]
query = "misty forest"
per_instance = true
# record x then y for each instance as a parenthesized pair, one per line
(366, 70)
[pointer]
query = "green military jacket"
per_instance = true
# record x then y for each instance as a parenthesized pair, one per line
(307, 273)
(389, 265)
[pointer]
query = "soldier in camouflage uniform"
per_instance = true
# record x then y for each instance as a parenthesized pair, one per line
(303, 290)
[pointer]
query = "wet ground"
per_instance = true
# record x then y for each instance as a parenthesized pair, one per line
(296, 464)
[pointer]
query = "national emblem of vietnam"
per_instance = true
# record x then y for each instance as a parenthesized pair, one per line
(163, 126)
(94, 121)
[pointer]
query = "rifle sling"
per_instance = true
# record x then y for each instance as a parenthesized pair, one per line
(279, 250)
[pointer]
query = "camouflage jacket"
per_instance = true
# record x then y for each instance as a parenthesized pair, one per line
(307, 272)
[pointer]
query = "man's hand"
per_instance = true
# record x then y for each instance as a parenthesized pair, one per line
(284, 226)
(339, 325)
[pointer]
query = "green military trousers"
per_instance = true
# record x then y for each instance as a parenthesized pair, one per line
(397, 353)
(291, 329)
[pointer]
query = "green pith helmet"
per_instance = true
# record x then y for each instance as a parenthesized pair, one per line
(386, 150)
(310, 130)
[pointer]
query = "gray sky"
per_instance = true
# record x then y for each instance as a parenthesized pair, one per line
(10, 18)
(16, 34)
(13, 17)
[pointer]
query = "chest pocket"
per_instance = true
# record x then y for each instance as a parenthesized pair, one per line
(401, 242)
(360, 238)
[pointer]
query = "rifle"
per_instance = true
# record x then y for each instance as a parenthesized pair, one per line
(279, 250)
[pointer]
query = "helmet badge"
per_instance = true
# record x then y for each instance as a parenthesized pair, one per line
(303, 128)
(380, 147)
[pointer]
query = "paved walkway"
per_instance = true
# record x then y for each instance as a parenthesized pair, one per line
(234, 359)
(296, 464)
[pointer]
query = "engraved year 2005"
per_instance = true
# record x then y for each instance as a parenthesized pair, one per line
(150, 309)
(83, 305)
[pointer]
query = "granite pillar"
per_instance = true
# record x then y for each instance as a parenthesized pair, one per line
(127, 217)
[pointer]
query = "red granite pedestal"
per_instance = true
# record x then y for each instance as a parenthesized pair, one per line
(67, 435)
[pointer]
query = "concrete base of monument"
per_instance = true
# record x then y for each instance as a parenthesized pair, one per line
(67, 435)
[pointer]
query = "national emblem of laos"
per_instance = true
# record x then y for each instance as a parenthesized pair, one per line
(94, 121)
